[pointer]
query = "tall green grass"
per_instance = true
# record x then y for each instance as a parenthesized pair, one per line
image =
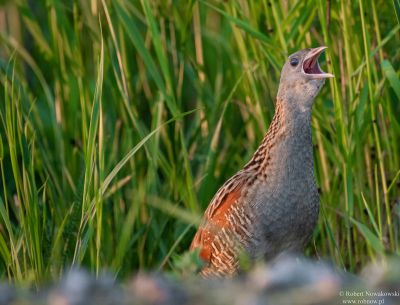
(120, 119)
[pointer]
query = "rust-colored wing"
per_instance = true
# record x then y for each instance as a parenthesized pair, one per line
(216, 219)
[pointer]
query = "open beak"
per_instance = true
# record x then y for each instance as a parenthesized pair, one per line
(311, 66)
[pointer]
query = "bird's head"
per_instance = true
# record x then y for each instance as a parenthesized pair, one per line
(302, 78)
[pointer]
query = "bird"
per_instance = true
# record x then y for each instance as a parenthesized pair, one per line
(271, 205)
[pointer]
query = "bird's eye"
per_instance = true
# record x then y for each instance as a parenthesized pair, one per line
(294, 61)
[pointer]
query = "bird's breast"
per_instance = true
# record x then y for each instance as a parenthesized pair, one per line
(286, 200)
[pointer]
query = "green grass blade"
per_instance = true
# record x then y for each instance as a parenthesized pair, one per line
(370, 237)
(137, 40)
(396, 4)
(391, 76)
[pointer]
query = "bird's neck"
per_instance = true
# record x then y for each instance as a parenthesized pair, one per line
(287, 139)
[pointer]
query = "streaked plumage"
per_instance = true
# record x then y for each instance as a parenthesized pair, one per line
(272, 204)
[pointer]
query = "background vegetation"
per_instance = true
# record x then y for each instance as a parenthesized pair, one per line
(120, 119)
